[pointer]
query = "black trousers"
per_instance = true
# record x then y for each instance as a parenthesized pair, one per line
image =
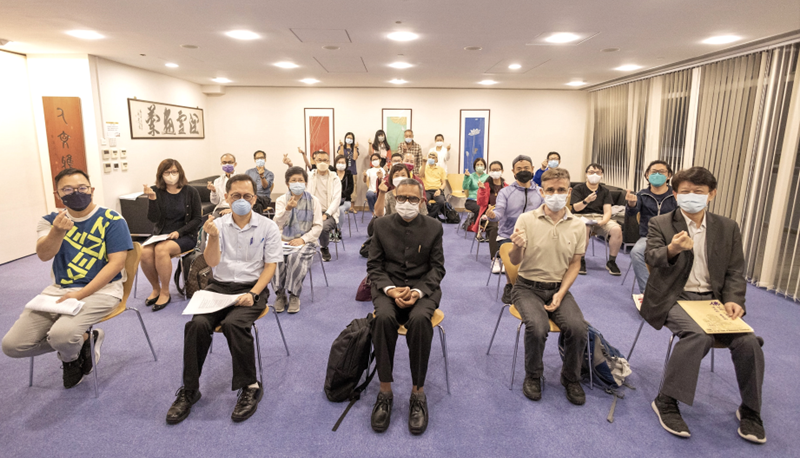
(491, 233)
(417, 319)
(437, 207)
(472, 206)
(236, 323)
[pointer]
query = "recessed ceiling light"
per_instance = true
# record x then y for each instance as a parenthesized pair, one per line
(576, 83)
(400, 65)
(85, 34)
(515, 66)
(562, 37)
(171, 65)
(628, 68)
(472, 48)
(721, 40)
(331, 48)
(398, 81)
(487, 82)
(189, 46)
(243, 35)
(309, 81)
(286, 65)
(402, 36)
(221, 80)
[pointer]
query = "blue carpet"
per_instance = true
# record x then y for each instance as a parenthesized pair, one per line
(481, 417)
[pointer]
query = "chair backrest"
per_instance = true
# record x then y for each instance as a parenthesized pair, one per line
(131, 267)
(511, 269)
(456, 180)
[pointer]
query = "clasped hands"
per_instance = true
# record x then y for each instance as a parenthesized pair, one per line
(404, 297)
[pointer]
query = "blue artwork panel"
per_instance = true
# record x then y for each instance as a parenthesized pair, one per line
(474, 141)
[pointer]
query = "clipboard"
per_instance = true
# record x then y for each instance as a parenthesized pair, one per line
(711, 316)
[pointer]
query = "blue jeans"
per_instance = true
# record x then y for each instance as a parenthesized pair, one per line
(343, 208)
(371, 198)
(639, 266)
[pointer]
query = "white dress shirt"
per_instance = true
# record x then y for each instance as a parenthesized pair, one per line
(699, 280)
(218, 197)
(244, 251)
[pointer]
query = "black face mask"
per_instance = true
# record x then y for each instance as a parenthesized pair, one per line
(77, 201)
(523, 176)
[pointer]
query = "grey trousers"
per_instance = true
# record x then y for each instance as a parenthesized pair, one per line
(35, 333)
(680, 379)
(327, 226)
(530, 302)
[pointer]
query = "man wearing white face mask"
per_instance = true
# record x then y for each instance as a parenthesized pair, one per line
(548, 245)
(326, 187)
(435, 179)
(695, 255)
(263, 178)
(410, 146)
(553, 161)
(442, 152)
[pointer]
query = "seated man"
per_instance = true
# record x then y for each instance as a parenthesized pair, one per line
(238, 267)
(263, 178)
(408, 160)
(298, 215)
(88, 245)
(434, 178)
(405, 290)
(548, 245)
(553, 161)
(593, 202)
(228, 162)
(697, 256)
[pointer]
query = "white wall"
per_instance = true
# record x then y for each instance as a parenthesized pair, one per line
(24, 201)
(532, 122)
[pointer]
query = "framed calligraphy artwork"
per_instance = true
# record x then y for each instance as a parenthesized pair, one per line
(64, 125)
(155, 120)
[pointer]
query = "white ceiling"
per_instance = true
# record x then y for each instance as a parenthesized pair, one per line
(650, 33)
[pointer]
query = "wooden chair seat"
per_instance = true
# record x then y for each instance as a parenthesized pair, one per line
(436, 319)
(262, 315)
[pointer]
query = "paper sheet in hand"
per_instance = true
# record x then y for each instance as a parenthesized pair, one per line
(155, 239)
(712, 317)
(208, 302)
(289, 249)
(43, 303)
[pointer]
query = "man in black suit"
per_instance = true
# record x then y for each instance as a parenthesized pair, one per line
(697, 256)
(405, 266)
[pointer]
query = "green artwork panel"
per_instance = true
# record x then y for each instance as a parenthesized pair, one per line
(395, 129)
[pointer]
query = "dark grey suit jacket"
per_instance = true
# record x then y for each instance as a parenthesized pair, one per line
(668, 276)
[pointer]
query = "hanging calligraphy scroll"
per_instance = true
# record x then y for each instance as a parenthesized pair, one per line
(64, 125)
(154, 120)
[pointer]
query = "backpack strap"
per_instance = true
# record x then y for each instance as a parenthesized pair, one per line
(356, 394)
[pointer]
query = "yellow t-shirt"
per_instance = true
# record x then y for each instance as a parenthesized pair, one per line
(434, 177)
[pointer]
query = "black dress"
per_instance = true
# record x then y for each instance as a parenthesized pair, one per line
(177, 213)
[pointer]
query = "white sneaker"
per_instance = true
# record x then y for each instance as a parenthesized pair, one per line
(503, 269)
(496, 267)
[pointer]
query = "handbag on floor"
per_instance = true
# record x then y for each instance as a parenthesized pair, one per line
(364, 292)
(199, 275)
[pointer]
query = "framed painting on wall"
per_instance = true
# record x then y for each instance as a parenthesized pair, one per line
(394, 122)
(473, 138)
(161, 121)
(63, 122)
(319, 131)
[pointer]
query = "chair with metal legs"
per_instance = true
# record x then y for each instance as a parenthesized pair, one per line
(350, 214)
(311, 275)
(131, 265)
(176, 277)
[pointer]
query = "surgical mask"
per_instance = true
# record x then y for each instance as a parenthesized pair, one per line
(349, 141)
(479, 169)
(692, 203)
(227, 168)
(396, 181)
(439, 144)
(77, 201)
(171, 179)
(496, 175)
(297, 188)
(552, 164)
(431, 161)
(241, 207)
(322, 166)
(381, 138)
(376, 163)
(657, 179)
(523, 176)
(407, 210)
(260, 162)
(409, 140)
(555, 202)
(594, 178)
(341, 166)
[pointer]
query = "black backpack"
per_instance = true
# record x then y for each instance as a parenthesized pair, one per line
(450, 214)
(350, 357)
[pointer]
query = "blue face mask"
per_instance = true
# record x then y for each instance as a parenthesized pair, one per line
(657, 179)
(241, 207)
(552, 164)
(692, 203)
(260, 162)
(409, 140)
(297, 188)
(431, 161)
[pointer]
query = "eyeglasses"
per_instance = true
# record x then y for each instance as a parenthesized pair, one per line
(237, 196)
(404, 199)
(662, 171)
(171, 173)
(67, 190)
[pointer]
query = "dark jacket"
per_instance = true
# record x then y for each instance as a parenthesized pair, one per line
(193, 211)
(649, 205)
(348, 185)
(407, 254)
(668, 276)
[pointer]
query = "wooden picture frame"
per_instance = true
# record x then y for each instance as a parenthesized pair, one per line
(164, 121)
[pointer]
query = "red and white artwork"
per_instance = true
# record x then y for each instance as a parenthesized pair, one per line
(318, 130)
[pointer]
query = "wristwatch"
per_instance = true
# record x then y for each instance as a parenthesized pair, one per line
(584, 203)
(255, 296)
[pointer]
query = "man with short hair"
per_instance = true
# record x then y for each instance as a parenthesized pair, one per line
(243, 249)
(434, 178)
(88, 245)
(228, 163)
(592, 201)
(408, 160)
(553, 161)
(410, 146)
(405, 267)
(548, 245)
(696, 255)
(264, 179)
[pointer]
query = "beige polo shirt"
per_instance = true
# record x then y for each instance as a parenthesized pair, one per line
(551, 244)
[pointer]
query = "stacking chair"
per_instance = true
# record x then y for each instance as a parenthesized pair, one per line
(131, 265)
(350, 214)
(176, 277)
(455, 180)
(311, 275)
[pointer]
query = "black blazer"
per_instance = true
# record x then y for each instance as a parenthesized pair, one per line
(407, 254)
(192, 216)
(347, 185)
(668, 276)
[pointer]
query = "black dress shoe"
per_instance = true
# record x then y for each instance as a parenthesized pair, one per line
(582, 270)
(247, 404)
(382, 412)
(532, 388)
(575, 392)
(157, 307)
(418, 413)
(182, 406)
(149, 302)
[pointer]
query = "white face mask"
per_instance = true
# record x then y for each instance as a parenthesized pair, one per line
(409, 140)
(341, 166)
(381, 138)
(496, 175)
(171, 179)
(407, 210)
(397, 180)
(556, 202)
(594, 178)
(376, 163)
(322, 166)
(439, 144)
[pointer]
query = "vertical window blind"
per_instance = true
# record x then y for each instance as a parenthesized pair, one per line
(640, 95)
(610, 137)
(674, 117)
